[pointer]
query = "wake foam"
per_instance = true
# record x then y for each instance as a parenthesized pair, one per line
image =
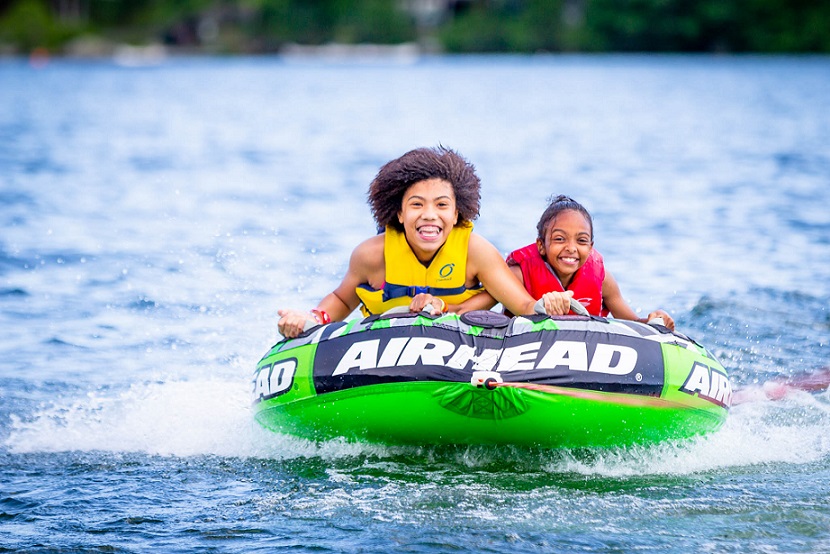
(213, 417)
(173, 418)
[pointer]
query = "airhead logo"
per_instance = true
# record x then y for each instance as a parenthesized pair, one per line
(274, 379)
(709, 384)
(410, 351)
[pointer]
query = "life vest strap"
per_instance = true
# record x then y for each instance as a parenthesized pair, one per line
(391, 291)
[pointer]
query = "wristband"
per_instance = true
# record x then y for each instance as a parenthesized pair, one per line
(443, 307)
(321, 316)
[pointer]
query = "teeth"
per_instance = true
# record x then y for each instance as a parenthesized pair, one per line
(429, 230)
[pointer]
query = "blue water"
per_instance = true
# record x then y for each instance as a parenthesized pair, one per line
(153, 219)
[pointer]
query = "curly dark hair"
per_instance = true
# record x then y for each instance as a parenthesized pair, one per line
(558, 205)
(392, 181)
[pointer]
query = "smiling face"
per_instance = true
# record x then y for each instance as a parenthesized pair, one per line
(567, 244)
(428, 214)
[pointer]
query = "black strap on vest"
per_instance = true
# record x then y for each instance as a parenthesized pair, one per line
(391, 291)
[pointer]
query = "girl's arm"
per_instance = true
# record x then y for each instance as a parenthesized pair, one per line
(483, 300)
(491, 269)
(342, 301)
(613, 299)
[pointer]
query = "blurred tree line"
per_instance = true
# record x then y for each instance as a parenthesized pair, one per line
(254, 26)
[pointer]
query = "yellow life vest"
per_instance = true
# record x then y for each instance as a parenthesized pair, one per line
(445, 277)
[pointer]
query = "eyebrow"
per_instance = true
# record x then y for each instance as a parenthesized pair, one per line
(563, 231)
(419, 197)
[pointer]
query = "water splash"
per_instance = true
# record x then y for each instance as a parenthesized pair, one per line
(213, 417)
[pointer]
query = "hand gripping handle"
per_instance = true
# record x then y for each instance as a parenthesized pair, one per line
(576, 307)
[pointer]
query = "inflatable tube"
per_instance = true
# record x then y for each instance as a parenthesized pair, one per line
(484, 378)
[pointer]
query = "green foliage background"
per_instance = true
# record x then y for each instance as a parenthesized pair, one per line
(253, 26)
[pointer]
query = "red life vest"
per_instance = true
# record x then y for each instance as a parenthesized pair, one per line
(539, 277)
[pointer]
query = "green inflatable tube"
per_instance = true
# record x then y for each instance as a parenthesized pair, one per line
(484, 378)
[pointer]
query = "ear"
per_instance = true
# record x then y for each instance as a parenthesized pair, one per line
(540, 246)
(400, 217)
(455, 221)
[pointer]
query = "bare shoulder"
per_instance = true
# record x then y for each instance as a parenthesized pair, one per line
(480, 250)
(484, 261)
(367, 257)
(610, 287)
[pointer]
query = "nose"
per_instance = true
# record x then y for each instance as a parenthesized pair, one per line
(429, 212)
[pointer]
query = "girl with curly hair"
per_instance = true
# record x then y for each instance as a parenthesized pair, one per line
(427, 257)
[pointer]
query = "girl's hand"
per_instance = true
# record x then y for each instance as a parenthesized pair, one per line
(668, 322)
(557, 303)
(292, 322)
(424, 301)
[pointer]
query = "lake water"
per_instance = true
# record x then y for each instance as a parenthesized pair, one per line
(153, 220)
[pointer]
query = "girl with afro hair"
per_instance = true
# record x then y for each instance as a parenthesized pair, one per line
(426, 257)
